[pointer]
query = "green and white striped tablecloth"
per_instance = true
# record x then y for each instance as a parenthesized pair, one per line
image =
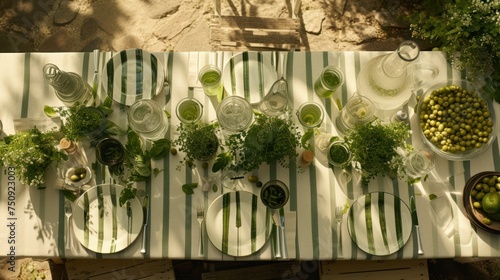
(37, 217)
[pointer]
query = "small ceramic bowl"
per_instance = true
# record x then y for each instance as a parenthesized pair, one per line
(477, 215)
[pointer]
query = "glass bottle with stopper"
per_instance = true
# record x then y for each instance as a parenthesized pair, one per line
(69, 87)
(388, 80)
(75, 171)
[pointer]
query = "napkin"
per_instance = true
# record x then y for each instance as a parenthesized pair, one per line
(291, 233)
(193, 72)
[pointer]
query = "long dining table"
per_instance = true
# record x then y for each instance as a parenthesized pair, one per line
(33, 221)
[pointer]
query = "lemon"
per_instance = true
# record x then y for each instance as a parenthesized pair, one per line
(491, 202)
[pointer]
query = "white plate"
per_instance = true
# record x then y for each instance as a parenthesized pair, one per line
(255, 226)
(379, 223)
(249, 75)
(131, 75)
(101, 225)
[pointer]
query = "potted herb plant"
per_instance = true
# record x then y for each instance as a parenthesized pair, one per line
(374, 147)
(30, 152)
(198, 141)
(268, 140)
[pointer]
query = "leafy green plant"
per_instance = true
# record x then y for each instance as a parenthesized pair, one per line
(30, 153)
(198, 141)
(138, 163)
(468, 32)
(268, 140)
(81, 122)
(374, 146)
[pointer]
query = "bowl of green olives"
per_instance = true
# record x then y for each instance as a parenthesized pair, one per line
(457, 120)
(481, 198)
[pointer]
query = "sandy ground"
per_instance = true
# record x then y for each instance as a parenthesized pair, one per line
(184, 25)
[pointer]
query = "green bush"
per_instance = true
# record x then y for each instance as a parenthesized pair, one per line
(468, 32)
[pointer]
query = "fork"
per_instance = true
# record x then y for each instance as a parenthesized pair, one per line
(68, 212)
(200, 216)
(338, 218)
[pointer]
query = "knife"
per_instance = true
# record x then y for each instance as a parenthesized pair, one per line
(145, 210)
(414, 218)
(96, 73)
(129, 221)
(284, 251)
(277, 234)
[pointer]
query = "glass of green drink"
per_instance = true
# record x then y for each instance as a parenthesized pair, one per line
(327, 83)
(358, 110)
(310, 114)
(339, 155)
(210, 78)
(189, 110)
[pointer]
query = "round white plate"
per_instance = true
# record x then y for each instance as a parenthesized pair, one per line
(221, 223)
(379, 223)
(131, 75)
(101, 225)
(249, 75)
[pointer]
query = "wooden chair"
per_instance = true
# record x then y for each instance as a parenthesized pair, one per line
(235, 33)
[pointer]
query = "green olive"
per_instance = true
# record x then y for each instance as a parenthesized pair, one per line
(74, 178)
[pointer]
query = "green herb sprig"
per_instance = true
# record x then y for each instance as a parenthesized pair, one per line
(78, 124)
(198, 141)
(374, 146)
(30, 153)
(268, 140)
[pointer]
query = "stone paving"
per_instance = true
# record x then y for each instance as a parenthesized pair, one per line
(183, 25)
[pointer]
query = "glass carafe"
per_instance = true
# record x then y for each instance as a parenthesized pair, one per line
(388, 80)
(70, 88)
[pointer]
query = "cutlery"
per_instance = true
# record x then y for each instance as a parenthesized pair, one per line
(284, 251)
(129, 222)
(96, 73)
(68, 212)
(414, 218)
(200, 216)
(277, 234)
(145, 209)
(166, 84)
(338, 218)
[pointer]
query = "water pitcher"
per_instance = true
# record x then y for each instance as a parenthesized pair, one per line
(388, 80)
(70, 88)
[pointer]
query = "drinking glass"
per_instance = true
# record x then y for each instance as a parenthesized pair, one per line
(210, 78)
(339, 155)
(419, 163)
(310, 114)
(232, 180)
(327, 83)
(358, 110)
(234, 114)
(110, 152)
(189, 110)
(148, 119)
(274, 194)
